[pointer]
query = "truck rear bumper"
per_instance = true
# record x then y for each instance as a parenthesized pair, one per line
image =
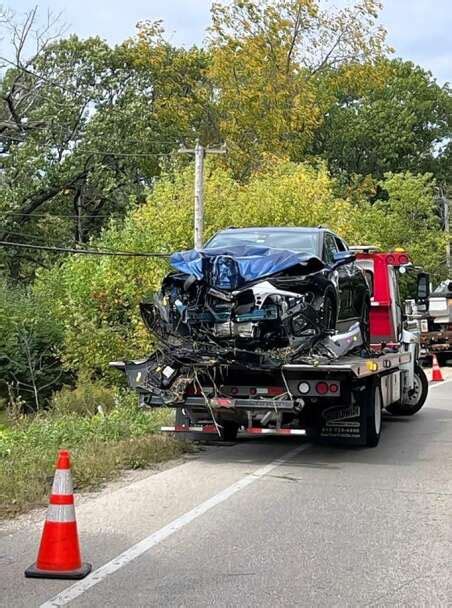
(218, 403)
(211, 430)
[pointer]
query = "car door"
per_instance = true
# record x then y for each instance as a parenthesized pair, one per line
(340, 277)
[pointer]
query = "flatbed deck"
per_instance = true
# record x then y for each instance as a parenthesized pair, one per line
(361, 367)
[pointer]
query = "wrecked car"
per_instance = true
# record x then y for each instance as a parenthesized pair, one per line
(261, 289)
(255, 299)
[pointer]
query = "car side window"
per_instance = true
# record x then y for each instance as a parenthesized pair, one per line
(341, 246)
(329, 248)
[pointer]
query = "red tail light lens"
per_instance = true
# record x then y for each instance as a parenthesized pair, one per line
(274, 391)
(321, 388)
(334, 388)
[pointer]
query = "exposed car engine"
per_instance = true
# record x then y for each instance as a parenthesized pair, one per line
(225, 309)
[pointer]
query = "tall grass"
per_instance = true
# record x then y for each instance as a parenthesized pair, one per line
(102, 444)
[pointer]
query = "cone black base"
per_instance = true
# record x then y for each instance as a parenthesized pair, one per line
(34, 572)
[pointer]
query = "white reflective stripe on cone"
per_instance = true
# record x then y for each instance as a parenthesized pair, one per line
(61, 513)
(62, 482)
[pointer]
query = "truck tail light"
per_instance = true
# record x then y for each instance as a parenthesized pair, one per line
(325, 388)
(304, 388)
(321, 388)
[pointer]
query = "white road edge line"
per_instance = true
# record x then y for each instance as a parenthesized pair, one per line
(74, 591)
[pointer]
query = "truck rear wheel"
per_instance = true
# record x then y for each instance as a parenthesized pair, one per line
(416, 398)
(229, 431)
(374, 418)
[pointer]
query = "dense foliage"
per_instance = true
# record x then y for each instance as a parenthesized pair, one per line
(30, 367)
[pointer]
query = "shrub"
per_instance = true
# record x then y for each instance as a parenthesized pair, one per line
(30, 338)
(88, 398)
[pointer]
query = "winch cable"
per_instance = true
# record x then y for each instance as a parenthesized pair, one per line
(207, 402)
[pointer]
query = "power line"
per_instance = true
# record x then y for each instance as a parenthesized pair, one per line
(88, 152)
(85, 251)
(63, 215)
(23, 235)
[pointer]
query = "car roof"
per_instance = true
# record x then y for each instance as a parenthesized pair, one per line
(274, 228)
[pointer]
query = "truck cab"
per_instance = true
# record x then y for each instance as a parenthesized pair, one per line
(382, 270)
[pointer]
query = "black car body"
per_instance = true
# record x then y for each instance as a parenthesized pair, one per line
(257, 297)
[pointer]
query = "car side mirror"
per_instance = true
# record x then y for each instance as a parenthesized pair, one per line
(343, 257)
(423, 287)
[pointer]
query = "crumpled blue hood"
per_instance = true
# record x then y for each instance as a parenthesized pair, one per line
(231, 267)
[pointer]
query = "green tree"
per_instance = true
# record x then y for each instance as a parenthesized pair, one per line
(408, 218)
(269, 62)
(401, 123)
(30, 337)
(84, 129)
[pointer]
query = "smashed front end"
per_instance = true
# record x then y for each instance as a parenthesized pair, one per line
(227, 311)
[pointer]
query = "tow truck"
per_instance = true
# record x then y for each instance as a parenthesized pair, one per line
(433, 314)
(336, 401)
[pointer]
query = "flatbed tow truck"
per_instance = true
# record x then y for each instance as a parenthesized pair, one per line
(337, 401)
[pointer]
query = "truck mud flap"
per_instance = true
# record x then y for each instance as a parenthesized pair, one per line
(346, 425)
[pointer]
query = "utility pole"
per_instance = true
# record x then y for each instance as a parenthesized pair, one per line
(447, 231)
(200, 153)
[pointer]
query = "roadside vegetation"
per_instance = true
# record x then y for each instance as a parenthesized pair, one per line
(105, 431)
(323, 125)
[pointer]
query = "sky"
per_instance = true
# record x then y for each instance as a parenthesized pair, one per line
(419, 30)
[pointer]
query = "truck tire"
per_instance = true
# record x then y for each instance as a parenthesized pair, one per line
(365, 324)
(182, 418)
(329, 312)
(416, 399)
(374, 416)
(229, 431)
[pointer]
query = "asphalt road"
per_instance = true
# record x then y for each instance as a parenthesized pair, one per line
(266, 523)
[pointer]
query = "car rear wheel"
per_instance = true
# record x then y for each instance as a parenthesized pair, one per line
(365, 324)
(329, 313)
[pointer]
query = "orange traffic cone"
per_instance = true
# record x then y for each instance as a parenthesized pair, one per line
(437, 376)
(59, 551)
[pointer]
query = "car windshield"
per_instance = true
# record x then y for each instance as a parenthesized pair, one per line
(303, 242)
